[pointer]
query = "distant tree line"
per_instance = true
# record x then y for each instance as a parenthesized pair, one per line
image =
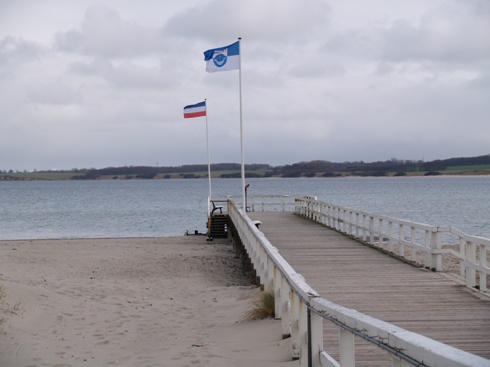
(315, 168)
(148, 172)
(379, 168)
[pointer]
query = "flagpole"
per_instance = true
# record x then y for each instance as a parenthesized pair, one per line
(244, 205)
(207, 144)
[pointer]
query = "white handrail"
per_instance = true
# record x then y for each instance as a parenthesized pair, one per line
(267, 203)
(302, 311)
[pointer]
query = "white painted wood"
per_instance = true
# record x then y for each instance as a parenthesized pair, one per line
(327, 361)
(436, 246)
(277, 282)
(418, 347)
(317, 339)
(390, 236)
(303, 333)
(357, 225)
(397, 362)
(294, 292)
(285, 308)
(413, 241)
(401, 248)
(470, 257)
(428, 258)
(269, 281)
(295, 330)
(483, 263)
(364, 220)
(418, 238)
(346, 348)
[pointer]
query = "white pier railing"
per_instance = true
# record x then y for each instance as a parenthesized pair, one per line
(259, 203)
(302, 311)
(423, 244)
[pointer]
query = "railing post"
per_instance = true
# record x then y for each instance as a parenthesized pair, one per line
(318, 211)
(401, 246)
(357, 224)
(264, 264)
(315, 338)
(397, 362)
(380, 231)
(350, 222)
(323, 213)
(413, 238)
(364, 226)
(427, 260)
(436, 261)
(462, 252)
(346, 349)
(471, 258)
(285, 308)
(371, 229)
(344, 220)
(269, 282)
(483, 263)
(390, 236)
(303, 332)
(277, 281)
(340, 222)
(294, 302)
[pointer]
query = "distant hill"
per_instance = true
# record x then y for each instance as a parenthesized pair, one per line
(394, 167)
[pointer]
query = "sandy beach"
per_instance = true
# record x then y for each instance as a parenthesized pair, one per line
(174, 301)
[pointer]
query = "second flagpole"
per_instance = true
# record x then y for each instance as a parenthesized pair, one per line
(207, 145)
(244, 205)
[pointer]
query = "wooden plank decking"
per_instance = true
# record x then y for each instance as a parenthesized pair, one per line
(357, 276)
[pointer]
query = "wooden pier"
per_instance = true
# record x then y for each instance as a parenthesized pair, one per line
(370, 281)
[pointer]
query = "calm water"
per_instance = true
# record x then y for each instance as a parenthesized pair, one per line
(137, 208)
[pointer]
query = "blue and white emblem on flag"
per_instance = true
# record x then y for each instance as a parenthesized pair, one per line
(223, 58)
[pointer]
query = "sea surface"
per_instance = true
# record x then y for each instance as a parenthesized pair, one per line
(153, 208)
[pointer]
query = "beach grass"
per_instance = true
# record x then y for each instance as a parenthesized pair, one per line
(3, 294)
(5, 308)
(263, 307)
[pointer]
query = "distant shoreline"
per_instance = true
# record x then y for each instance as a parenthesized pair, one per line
(10, 178)
(475, 166)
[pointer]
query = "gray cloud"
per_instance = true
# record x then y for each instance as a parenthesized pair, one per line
(104, 33)
(15, 51)
(448, 35)
(330, 80)
(270, 21)
(125, 75)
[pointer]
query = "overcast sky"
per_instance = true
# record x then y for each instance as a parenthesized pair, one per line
(103, 83)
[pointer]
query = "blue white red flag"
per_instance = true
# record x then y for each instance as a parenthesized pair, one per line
(223, 58)
(195, 110)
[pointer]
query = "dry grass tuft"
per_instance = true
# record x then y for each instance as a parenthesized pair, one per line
(263, 307)
(2, 302)
(5, 308)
